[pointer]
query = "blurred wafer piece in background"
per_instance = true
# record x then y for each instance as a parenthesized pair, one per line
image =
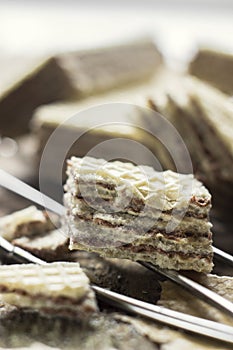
(73, 75)
(176, 298)
(204, 118)
(36, 231)
(214, 67)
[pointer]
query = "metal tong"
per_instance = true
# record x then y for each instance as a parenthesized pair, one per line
(169, 317)
(176, 319)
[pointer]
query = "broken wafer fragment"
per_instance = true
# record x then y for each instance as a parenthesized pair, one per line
(204, 117)
(60, 289)
(26, 222)
(176, 298)
(121, 210)
(35, 231)
(74, 75)
(214, 67)
(49, 246)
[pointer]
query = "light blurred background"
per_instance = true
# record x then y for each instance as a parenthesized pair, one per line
(178, 26)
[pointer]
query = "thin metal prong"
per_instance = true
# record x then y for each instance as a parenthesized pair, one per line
(195, 288)
(169, 317)
(223, 256)
(154, 312)
(12, 183)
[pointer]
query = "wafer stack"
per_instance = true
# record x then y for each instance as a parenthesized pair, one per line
(60, 289)
(73, 75)
(214, 67)
(26, 222)
(103, 129)
(33, 230)
(121, 210)
(204, 118)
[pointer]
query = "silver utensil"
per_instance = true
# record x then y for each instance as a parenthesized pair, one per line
(18, 254)
(225, 257)
(24, 190)
(13, 184)
(195, 288)
(169, 317)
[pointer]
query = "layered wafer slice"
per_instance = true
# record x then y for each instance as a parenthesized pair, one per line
(37, 232)
(73, 75)
(204, 118)
(121, 210)
(60, 289)
(26, 222)
(214, 67)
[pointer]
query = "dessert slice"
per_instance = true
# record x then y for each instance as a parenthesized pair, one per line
(49, 246)
(204, 118)
(60, 289)
(121, 210)
(73, 75)
(113, 114)
(87, 132)
(26, 222)
(215, 67)
(32, 230)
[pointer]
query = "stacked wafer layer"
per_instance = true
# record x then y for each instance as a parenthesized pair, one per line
(215, 67)
(121, 210)
(56, 288)
(33, 230)
(73, 75)
(26, 222)
(204, 118)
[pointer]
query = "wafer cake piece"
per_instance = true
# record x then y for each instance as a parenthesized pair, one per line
(87, 132)
(59, 289)
(121, 210)
(114, 114)
(73, 75)
(49, 246)
(204, 118)
(214, 67)
(26, 222)
(34, 231)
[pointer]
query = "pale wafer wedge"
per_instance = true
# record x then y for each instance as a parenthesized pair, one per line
(214, 67)
(73, 76)
(60, 289)
(36, 231)
(176, 298)
(26, 222)
(204, 118)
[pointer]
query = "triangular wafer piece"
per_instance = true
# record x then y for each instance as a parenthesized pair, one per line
(26, 222)
(214, 67)
(73, 75)
(55, 288)
(35, 231)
